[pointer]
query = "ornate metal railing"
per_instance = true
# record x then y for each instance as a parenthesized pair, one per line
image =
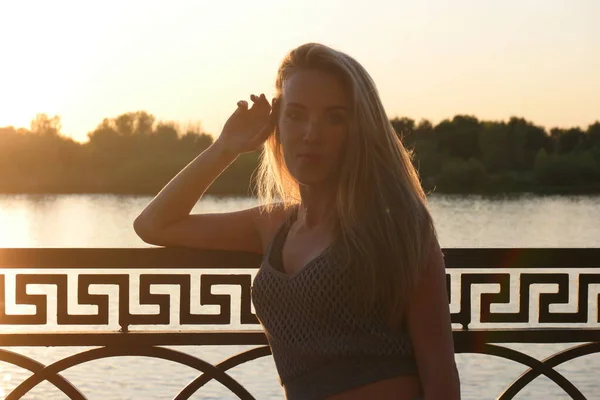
(571, 278)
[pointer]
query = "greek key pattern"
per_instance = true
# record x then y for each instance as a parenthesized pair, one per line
(548, 296)
(501, 288)
(125, 315)
(517, 296)
(491, 286)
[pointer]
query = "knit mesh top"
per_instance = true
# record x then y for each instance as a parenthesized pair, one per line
(320, 345)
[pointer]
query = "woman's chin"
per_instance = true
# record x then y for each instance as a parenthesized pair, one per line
(314, 180)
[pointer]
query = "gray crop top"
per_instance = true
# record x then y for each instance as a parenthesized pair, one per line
(320, 345)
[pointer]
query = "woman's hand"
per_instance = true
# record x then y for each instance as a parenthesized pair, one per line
(247, 129)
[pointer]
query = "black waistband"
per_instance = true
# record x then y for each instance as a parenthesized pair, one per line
(347, 373)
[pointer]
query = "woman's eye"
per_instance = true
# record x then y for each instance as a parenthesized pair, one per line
(335, 119)
(292, 115)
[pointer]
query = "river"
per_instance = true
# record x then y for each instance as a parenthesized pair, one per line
(461, 221)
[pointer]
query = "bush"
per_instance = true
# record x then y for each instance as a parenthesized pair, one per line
(461, 176)
(510, 182)
(426, 158)
(566, 169)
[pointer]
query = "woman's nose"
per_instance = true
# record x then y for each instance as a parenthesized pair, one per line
(313, 130)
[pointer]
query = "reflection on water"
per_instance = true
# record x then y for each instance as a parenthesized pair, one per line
(517, 221)
(462, 221)
(82, 220)
(106, 221)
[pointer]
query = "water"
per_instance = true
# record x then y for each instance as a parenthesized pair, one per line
(472, 221)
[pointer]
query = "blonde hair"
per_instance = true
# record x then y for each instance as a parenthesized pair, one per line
(383, 221)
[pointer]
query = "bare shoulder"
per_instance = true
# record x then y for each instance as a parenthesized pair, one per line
(245, 230)
(268, 223)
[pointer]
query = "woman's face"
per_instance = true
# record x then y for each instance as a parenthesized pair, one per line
(313, 126)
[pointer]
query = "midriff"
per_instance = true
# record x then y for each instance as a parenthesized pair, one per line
(398, 388)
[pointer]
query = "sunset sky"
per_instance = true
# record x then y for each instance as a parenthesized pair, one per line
(190, 61)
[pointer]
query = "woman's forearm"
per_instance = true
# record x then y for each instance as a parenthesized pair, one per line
(178, 197)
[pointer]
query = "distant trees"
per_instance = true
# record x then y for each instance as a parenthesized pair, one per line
(467, 155)
(130, 153)
(139, 131)
(134, 153)
(139, 155)
(36, 158)
(46, 126)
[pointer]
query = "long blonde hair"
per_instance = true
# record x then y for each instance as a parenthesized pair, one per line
(384, 224)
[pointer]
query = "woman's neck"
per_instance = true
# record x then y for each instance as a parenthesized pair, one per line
(317, 207)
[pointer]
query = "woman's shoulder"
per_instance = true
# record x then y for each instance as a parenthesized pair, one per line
(270, 220)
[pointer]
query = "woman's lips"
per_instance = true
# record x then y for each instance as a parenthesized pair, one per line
(309, 156)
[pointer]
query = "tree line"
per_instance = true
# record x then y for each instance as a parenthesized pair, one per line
(135, 154)
(464, 154)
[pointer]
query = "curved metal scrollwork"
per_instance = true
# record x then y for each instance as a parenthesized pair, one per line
(226, 365)
(27, 363)
(550, 362)
(50, 372)
(570, 276)
(538, 368)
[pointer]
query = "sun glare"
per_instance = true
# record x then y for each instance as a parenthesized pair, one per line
(14, 229)
(43, 62)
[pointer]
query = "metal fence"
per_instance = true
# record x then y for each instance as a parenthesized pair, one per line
(71, 273)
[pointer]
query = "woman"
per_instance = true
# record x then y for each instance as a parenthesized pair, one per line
(352, 292)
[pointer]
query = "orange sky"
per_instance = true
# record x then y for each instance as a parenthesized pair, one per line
(190, 61)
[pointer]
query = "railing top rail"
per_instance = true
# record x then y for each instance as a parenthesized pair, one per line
(255, 337)
(172, 257)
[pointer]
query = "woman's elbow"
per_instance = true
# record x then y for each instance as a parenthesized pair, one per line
(144, 230)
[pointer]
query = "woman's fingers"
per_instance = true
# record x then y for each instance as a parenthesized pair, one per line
(260, 102)
(260, 111)
(264, 100)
